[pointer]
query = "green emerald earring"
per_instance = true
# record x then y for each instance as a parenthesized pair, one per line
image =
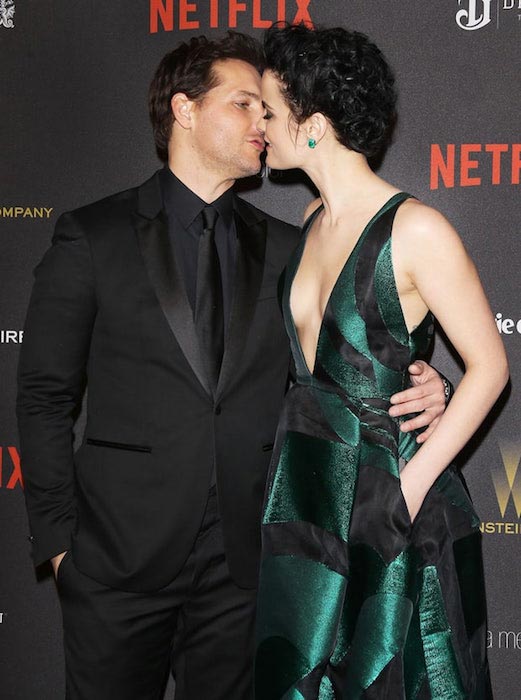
(312, 143)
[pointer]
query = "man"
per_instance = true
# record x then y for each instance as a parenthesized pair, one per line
(163, 299)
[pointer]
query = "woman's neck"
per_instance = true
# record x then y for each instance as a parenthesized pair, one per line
(345, 181)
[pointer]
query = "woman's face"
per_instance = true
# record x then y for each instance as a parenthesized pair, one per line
(283, 138)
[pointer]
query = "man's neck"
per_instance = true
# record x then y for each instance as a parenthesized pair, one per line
(206, 185)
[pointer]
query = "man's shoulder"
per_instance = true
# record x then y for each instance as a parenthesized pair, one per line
(113, 206)
(274, 225)
(110, 211)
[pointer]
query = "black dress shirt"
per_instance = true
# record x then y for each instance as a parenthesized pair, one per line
(185, 224)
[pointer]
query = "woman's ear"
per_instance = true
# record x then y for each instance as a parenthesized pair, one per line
(316, 127)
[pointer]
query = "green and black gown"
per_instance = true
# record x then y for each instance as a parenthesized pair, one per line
(354, 601)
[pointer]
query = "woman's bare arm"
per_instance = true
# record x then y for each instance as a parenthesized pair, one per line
(434, 271)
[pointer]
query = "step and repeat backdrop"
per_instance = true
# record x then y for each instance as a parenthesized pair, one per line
(74, 127)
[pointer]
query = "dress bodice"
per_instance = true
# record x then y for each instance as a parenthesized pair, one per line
(364, 346)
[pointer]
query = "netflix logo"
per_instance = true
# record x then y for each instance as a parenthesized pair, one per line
(475, 164)
(10, 472)
(170, 15)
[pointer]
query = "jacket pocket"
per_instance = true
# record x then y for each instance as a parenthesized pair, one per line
(62, 565)
(118, 445)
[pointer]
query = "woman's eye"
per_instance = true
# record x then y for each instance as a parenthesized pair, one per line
(267, 116)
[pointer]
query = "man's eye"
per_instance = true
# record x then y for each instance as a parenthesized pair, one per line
(243, 105)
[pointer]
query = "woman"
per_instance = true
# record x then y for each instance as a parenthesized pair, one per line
(371, 583)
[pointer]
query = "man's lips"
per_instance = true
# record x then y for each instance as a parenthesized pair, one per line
(258, 144)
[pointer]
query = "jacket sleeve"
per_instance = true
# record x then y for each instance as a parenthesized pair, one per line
(51, 380)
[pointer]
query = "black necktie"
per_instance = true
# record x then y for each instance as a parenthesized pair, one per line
(209, 320)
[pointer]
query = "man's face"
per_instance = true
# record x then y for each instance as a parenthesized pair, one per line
(224, 134)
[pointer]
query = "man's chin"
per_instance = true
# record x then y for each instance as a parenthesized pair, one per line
(249, 170)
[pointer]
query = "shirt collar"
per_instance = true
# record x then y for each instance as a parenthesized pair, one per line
(179, 200)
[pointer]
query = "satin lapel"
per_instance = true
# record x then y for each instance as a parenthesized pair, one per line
(164, 276)
(251, 249)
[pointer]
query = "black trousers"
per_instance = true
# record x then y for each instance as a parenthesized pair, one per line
(122, 646)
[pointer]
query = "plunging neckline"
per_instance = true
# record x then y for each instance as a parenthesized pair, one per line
(306, 229)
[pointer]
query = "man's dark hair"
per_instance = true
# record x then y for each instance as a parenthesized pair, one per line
(339, 73)
(189, 69)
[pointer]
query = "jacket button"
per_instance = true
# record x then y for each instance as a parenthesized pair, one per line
(217, 410)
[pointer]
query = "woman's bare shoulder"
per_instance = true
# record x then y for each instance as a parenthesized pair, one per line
(417, 223)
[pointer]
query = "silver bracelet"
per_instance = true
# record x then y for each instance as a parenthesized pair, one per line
(446, 389)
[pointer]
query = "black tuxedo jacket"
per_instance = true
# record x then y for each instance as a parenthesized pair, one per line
(108, 308)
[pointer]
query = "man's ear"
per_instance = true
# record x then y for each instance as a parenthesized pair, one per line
(182, 108)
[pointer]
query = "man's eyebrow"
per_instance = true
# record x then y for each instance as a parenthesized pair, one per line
(246, 93)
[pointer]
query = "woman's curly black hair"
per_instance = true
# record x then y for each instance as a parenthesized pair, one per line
(340, 74)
